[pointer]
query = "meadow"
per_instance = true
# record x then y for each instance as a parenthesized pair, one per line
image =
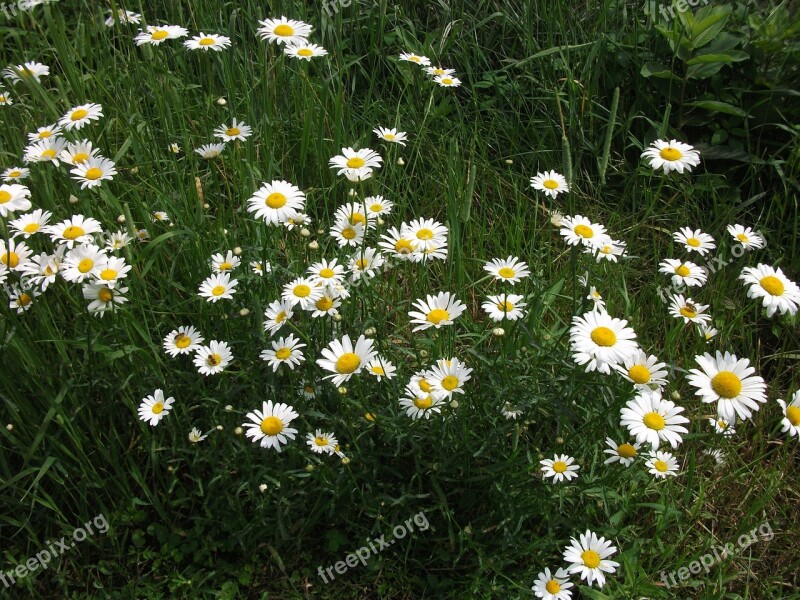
(359, 299)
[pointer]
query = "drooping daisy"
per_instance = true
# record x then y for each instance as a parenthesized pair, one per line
(448, 377)
(75, 230)
(16, 174)
(419, 404)
(13, 198)
(260, 268)
(510, 270)
(379, 368)
(5, 98)
(78, 153)
(284, 351)
(346, 234)
(722, 427)
(159, 216)
(79, 116)
(365, 264)
(416, 59)
(439, 71)
(509, 411)
(111, 270)
(708, 333)
(791, 416)
(154, 407)
(41, 270)
(92, 172)
(447, 81)
(399, 245)
(83, 262)
(223, 263)
(504, 306)
(377, 206)
(344, 360)
(210, 151)
(21, 298)
(269, 426)
(589, 558)
(694, 240)
(28, 70)
(605, 249)
(596, 298)
(560, 468)
(276, 315)
(304, 51)
(124, 17)
(730, 382)
(391, 135)
(183, 340)
(208, 41)
(662, 465)
(436, 311)
(14, 255)
(580, 230)
(155, 34)
(103, 298)
(321, 443)
(652, 419)
(671, 156)
(236, 131)
(302, 291)
(48, 150)
(217, 287)
(326, 273)
(624, 453)
(746, 237)
(778, 293)
(276, 202)
(683, 272)
(550, 182)
(117, 240)
(599, 341)
(284, 31)
(213, 359)
(42, 133)
(425, 234)
(643, 371)
(196, 436)
(688, 310)
(356, 165)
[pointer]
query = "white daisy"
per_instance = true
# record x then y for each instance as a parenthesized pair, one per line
(504, 306)
(16, 174)
(436, 311)
(377, 206)
(416, 59)
(78, 153)
(722, 427)
(212, 359)
(269, 426)
(730, 382)
(346, 234)
(365, 264)
(183, 340)
(550, 182)
(694, 240)
(605, 249)
(778, 293)
(321, 443)
(111, 270)
(580, 230)
(222, 263)
(391, 135)
(302, 291)
(356, 165)
(509, 411)
(276, 202)
(381, 368)
(624, 453)
(103, 298)
(560, 468)
(688, 310)
(210, 151)
(791, 416)
(550, 586)
(196, 436)
(13, 197)
(448, 377)
(746, 237)
(683, 272)
(92, 172)
(284, 31)
(671, 156)
(14, 255)
(124, 17)
(217, 287)
(425, 234)
(344, 360)
(154, 408)
(437, 71)
(20, 298)
(28, 70)
(510, 270)
(589, 558)
(643, 371)
(83, 263)
(48, 150)
(284, 351)
(447, 81)
(75, 230)
(79, 116)
(276, 315)
(419, 404)
(236, 131)
(208, 41)
(304, 51)
(399, 245)
(155, 34)
(326, 273)
(662, 465)
(42, 133)
(600, 341)
(652, 419)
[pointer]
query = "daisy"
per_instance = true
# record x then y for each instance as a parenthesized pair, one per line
(159, 216)
(210, 151)
(196, 436)
(302, 291)
(321, 443)
(285, 350)
(155, 34)
(510, 270)
(260, 268)
(284, 31)
(28, 70)
(183, 340)
(436, 311)
(13, 197)
(722, 427)
(21, 299)
(345, 360)
(420, 405)
(236, 131)
(439, 71)
(448, 377)
(509, 411)
(356, 165)
(83, 262)
(416, 59)
(391, 135)
(560, 468)
(580, 230)
(746, 237)
(399, 245)
(377, 206)
(326, 273)
(154, 408)
(42, 133)
(5, 98)
(447, 81)
(205, 42)
(222, 263)
(730, 382)
(694, 240)
(213, 359)
(276, 202)
(379, 367)
(672, 156)
(365, 264)
(599, 341)
(791, 416)
(103, 298)
(117, 240)
(48, 150)
(652, 419)
(269, 426)
(276, 315)
(550, 182)
(124, 16)
(308, 390)
(111, 270)
(553, 587)
(81, 115)
(304, 51)
(346, 234)
(683, 272)
(643, 371)
(688, 310)
(353, 213)
(597, 299)
(75, 230)
(327, 305)
(708, 333)
(662, 465)
(219, 286)
(16, 174)
(78, 153)
(778, 292)
(41, 270)
(607, 249)
(93, 171)
(426, 234)
(622, 453)
(504, 306)
(14, 255)
(589, 557)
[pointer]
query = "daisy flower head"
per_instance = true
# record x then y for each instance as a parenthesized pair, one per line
(746, 237)
(589, 558)
(326, 273)
(322, 443)
(103, 298)
(354, 213)
(269, 426)
(42, 133)
(662, 465)
(599, 341)
(117, 240)
(447, 81)
(652, 419)
(83, 263)
(550, 182)
(423, 61)
(643, 371)
(302, 291)
(210, 151)
(708, 332)
(124, 17)
(391, 135)
(597, 299)
(304, 51)
(671, 156)
(14, 255)
(356, 165)
(26, 71)
(276, 202)
(196, 436)
(419, 404)
(13, 197)
(79, 116)
(504, 306)
(236, 131)
(217, 287)
(439, 71)
(777, 292)
(509, 411)
(222, 263)
(365, 264)
(343, 359)
(607, 249)
(399, 245)
(208, 41)
(580, 230)
(47, 150)
(624, 453)
(159, 216)
(154, 407)
(39, 270)
(347, 234)
(284, 351)
(560, 468)
(276, 315)
(5, 98)
(111, 270)
(212, 359)
(92, 172)
(15, 174)
(327, 305)
(155, 34)
(683, 272)
(75, 230)
(78, 153)
(694, 240)
(549, 586)
(448, 377)
(688, 310)
(722, 427)
(730, 382)
(377, 206)
(284, 31)
(425, 234)
(379, 367)
(21, 297)
(183, 340)
(260, 268)
(791, 416)
(510, 270)
(436, 311)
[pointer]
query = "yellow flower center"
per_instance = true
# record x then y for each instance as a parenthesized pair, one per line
(283, 353)
(559, 466)
(423, 403)
(43, 135)
(356, 162)
(654, 421)
(550, 184)
(207, 41)
(584, 231)
(182, 341)
(305, 52)
(284, 30)
(31, 228)
(281, 317)
(688, 312)
(93, 174)
(15, 173)
(218, 290)
(4, 196)
(552, 587)
(450, 383)
(85, 265)
(24, 299)
(425, 386)
(683, 271)
(378, 370)
(437, 315)
(326, 273)
(403, 246)
(447, 81)
(79, 114)
(357, 218)
(108, 274)
(639, 373)
(660, 465)
(73, 232)
(233, 131)
(348, 233)
(603, 336)
(79, 158)
(226, 266)
(301, 291)
(772, 285)
(670, 154)
(505, 306)
(506, 273)
(413, 58)
(348, 362)
(276, 200)
(693, 242)
(626, 451)
(742, 238)
(590, 559)
(271, 426)
(49, 153)
(438, 71)
(424, 234)
(213, 360)
(726, 384)
(793, 414)
(388, 136)
(324, 304)
(362, 263)
(159, 34)
(105, 295)
(157, 408)
(11, 259)
(321, 441)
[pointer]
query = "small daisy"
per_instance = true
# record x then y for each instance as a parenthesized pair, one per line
(365, 263)
(354, 213)
(550, 182)
(276, 202)
(196, 436)
(79, 116)
(708, 333)
(124, 17)
(377, 206)
(13, 198)
(436, 311)
(688, 310)
(597, 299)
(778, 293)
(154, 408)
(28, 224)
(103, 298)
(159, 216)
(589, 558)
(606, 249)
(276, 315)
(379, 367)
(260, 268)
(671, 156)
(447, 81)
(722, 427)
(652, 419)
(643, 371)
(284, 351)
(419, 404)
(5, 98)
(15, 174)
(580, 230)
(21, 299)
(78, 153)
(213, 359)
(448, 377)
(75, 230)
(175, 148)
(39, 270)
(553, 587)
(683, 272)
(599, 341)
(269, 426)
(94, 171)
(746, 237)
(14, 255)
(28, 70)
(356, 165)
(210, 151)
(391, 135)
(504, 306)
(223, 263)
(509, 411)
(304, 51)
(183, 340)
(346, 234)
(344, 360)
(111, 270)
(236, 131)
(560, 468)
(284, 31)
(205, 42)
(83, 263)
(321, 443)
(155, 34)
(219, 286)
(416, 59)
(48, 150)
(327, 305)
(694, 240)
(510, 270)
(439, 71)
(302, 291)
(42, 133)
(791, 416)
(117, 240)
(662, 465)
(399, 245)
(622, 453)
(729, 381)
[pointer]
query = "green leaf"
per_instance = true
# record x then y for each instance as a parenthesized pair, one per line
(708, 23)
(654, 69)
(717, 106)
(723, 57)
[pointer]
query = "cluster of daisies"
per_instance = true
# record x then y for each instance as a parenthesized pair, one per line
(236, 131)
(587, 556)
(444, 77)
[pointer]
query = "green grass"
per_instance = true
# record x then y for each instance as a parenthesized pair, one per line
(546, 85)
